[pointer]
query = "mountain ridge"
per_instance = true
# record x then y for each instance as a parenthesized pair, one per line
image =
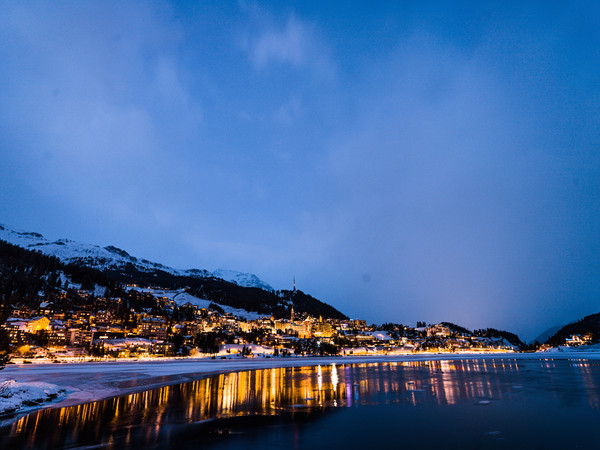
(26, 276)
(112, 258)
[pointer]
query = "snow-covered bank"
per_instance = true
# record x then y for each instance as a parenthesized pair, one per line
(571, 350)
(17, 396)
(84, 382)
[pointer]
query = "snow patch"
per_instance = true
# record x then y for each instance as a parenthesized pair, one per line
(255, 349)
(99, 291)
(380, 335)
(15, 396)
(180, 297)
(66, 281)
(591, 348)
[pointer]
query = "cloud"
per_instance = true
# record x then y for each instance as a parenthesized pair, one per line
(289, 45)
(294, 43)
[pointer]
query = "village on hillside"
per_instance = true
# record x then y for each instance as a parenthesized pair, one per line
(155, 325)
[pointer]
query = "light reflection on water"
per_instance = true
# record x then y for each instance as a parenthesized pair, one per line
(154, 417)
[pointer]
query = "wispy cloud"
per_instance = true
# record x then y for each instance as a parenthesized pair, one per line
(289, 45)
(294, 42)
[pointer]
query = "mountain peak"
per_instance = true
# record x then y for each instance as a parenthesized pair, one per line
(241, 279)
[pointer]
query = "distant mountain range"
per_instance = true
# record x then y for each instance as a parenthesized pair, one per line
(111, 258)
(545, 335)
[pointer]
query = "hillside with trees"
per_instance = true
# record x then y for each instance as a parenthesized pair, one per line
(589, 325)
(24, 274)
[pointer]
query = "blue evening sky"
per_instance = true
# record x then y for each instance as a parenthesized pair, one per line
(403, 160)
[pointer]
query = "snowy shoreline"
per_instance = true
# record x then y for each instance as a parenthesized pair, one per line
(70, 384)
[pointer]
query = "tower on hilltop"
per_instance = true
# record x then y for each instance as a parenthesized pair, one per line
(294, 292)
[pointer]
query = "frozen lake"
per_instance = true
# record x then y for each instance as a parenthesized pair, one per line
(472, 403)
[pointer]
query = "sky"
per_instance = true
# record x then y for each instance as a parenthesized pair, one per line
(404, 161)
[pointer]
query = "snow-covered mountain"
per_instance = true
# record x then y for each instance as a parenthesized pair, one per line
(241, 279)
(113, 258)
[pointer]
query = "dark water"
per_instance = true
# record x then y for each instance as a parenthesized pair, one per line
(496, 404)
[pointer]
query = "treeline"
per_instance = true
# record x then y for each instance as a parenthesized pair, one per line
(25, 273)
(492, 333)
(501, 334)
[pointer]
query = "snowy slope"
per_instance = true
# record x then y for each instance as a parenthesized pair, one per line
(241, 279)
(113, 258)
(180, 297)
